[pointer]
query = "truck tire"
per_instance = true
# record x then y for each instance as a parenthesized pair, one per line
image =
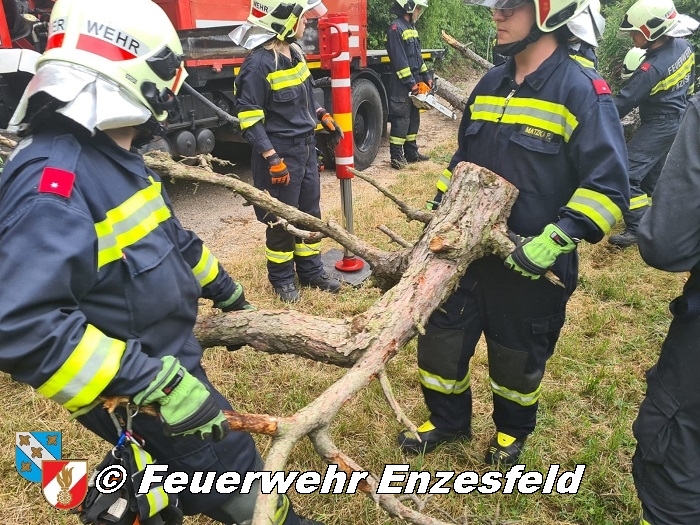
(367, 120)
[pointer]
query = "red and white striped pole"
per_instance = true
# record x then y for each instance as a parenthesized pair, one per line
(335, 55)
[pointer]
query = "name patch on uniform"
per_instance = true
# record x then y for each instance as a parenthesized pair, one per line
(58, 181)
(538, 133)
(601, 87)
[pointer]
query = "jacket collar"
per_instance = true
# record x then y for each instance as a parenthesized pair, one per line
(538, 78)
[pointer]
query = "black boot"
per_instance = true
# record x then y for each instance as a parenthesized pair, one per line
(430, 438)
(287, 292)
(398, 160)
(418, 158)
(322, 281)
(624, 239)
(504, 450)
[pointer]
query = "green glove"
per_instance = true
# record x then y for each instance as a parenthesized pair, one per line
(533, 256)
(186, 406)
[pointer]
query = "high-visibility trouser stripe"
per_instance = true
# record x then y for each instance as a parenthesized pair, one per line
(207, 268)
(525, 400)
(442, 385)
(157, 498)
(250, 117)
(675, 77)
(444, 180)
(409, 33)
(278, 257)
(294, 76)
(411, 137)
(90, 367)
(130, 222)
(597, 207)
(640, 202)
(404, 73)
(548, 116)
(423, 68)
(282, 511)
(397, 141)
(644, 522)
(307, 250)
(583, 61)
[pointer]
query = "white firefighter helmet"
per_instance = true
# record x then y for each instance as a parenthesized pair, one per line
(588, 25)
(141, 54)
(410, 5)
(280, 17)
(652, 18)
(549, 14)
(633, 59)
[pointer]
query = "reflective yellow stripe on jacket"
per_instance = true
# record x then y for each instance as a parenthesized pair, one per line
(130, 222)
(583, 61)
(409, 33)
(87, 371)
(444, 180)
(678, 75)
(549, 116)
(284, 78)
(206, 270)
(250, 117)
(598, 207)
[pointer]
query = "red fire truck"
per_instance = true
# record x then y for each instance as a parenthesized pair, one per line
(212, 61)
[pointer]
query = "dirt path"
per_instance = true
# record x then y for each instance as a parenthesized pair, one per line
(227, 226)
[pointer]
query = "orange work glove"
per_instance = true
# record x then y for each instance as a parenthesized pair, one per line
(330, 125)
(279, 174)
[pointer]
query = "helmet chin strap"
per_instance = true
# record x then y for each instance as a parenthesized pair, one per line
(514, 48)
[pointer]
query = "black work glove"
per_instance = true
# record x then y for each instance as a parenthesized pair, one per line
(279, 174)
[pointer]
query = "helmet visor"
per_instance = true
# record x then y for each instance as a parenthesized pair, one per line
(497, 4)
(315, 9)
(417, 12)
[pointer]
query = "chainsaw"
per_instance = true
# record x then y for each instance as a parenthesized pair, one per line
(425, 99)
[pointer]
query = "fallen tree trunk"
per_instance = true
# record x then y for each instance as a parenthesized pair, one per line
(462, 48)
(470, 223)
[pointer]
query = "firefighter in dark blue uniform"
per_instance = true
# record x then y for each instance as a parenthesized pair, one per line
(666, 462)
(586, 29)
(278, 114)
(409, 70)
(100, 281)
(660, 87)
(549, 126)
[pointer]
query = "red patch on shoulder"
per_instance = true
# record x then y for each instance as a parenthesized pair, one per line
(601, 87)
(645, 66)
(58, 181)
(394, 27)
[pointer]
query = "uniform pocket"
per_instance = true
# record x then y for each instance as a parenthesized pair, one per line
(285, 95)
(152, 287)
(655, 423)
(545, 333)
(536, 140)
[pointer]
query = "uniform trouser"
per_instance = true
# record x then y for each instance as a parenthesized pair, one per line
(404, 118)
(285, 251)
(646, 153)
(666, 462)
(520, 319)
(235, 453)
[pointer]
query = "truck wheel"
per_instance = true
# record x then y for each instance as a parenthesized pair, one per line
(367, 119)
